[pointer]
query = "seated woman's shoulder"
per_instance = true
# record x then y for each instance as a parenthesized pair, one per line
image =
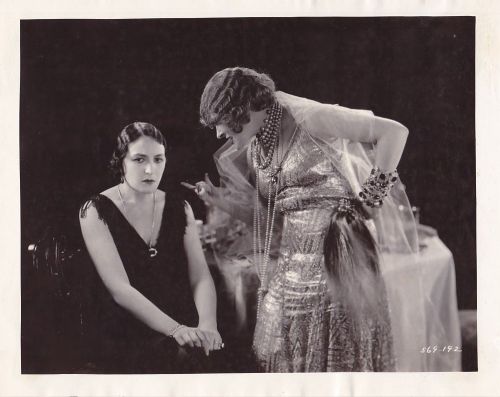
(95, 206)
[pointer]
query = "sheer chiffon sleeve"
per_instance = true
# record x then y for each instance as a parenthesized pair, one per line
(328, 122)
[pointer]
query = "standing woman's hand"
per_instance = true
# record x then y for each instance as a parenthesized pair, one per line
(206, 191)
(373, 213)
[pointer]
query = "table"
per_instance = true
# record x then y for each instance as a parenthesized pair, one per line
(431, 304)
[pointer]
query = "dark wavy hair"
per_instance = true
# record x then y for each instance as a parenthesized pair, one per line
(129, 134)
(232, 93)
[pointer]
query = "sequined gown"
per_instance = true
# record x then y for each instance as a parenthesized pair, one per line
(300, 327)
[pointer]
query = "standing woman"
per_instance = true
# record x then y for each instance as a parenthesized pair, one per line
(311, 173)
(154, 297)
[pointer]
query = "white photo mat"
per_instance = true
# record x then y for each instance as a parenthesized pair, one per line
(485, 382)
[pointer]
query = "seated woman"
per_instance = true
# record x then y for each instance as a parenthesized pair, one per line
(155, 309)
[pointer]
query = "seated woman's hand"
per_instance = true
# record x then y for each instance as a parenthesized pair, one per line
(214, 340)
(189, 336)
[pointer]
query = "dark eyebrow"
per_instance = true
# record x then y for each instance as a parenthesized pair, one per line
(145, 155)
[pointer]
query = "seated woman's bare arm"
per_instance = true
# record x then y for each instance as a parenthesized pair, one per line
(201, 281)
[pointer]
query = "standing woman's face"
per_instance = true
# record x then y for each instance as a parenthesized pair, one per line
(144, 164)
(248, 131)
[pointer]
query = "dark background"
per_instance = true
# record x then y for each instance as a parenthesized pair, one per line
(82, 81)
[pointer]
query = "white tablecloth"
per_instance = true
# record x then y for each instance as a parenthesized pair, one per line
(425, 325)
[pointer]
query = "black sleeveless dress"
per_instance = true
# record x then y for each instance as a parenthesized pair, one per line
(117, 342)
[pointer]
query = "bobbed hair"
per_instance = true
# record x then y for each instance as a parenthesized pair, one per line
(232, 93)
(129, 134)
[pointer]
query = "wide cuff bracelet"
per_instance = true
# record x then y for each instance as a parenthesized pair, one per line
(377, 187)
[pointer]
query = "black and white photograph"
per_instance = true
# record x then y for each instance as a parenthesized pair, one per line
(278, 195)
(248, 195)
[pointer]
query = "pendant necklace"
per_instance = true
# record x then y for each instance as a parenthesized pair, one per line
(152, 250)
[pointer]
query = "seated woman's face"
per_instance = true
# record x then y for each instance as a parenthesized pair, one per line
(144, 164)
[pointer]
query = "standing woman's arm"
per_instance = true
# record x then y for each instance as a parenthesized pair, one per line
(102, 250)
(330, 122)
(201, 281)
(390, 137)
(333, 121)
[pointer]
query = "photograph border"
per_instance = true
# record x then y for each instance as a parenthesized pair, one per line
(484, 382)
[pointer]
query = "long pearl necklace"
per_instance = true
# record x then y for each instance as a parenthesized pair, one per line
(262, 254)
(268, 137)
(152, 250)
